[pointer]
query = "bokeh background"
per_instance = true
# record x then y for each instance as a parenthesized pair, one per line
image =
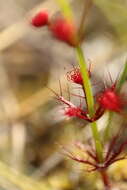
(32, 128)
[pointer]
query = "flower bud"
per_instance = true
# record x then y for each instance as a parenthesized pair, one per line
(110, 100)
(40, 19)
(64, 30)
(75, 76)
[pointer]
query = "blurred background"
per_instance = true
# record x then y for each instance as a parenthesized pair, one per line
(32, 127)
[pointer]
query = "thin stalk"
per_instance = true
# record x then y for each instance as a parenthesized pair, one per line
(105, 180)
(87, 5)
(66, 9)
(68, 13)
(122, 78)
(86, 81)
(107, 129)
(118, 88)
(90, 101)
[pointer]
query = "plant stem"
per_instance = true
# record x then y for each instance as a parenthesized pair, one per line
(90, 101)
(86, 81)
(122, 78)
(107, 129)
(65, 8)
(105, 179)
(98, 144)
(87, 6)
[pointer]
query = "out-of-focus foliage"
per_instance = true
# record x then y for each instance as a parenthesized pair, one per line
(116, 12)
(32, 128)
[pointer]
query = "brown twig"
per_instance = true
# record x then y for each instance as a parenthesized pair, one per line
(86, 8)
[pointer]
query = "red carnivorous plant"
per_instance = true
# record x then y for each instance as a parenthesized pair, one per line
(100, 155)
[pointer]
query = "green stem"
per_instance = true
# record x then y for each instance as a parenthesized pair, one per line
(98, 144)
(122, 78)
(86, 81)
(90, 101)
(107, 129)
(65, 8)
(68, 13)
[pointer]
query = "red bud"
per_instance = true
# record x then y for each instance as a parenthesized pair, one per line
(40, 19)
(75, 76)
(64, 30)
(110, 100)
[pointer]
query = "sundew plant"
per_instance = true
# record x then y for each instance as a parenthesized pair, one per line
(100, 151)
